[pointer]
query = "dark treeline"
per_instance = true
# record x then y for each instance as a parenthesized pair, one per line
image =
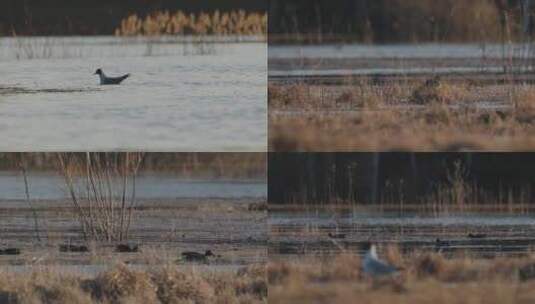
(384, 21)
(321, 178)
(98, 17)
(218, 165)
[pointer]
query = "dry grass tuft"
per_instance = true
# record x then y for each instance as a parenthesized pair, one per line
(429, 265)
(41, 287)
(251, 281)
(524, 99)
(175, 286)
(428, 277)
(124, 285)
(296, 95)
(343, 267)
(368, 117)
(436, 90)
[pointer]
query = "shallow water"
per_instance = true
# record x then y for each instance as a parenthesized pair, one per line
(162, 228)
(426, 50)
(148, 186)
(180, 97)
(376, 71)
(307, 232)
(338, 60)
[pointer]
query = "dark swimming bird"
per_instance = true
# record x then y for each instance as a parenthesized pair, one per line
(373, 266)
(126, 248)
(73, 248)
(192, 256)
(477, 235)
(105, 80)
(10, 251)
(337, 235)
(440, 245)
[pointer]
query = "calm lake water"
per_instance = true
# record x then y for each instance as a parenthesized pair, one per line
(181, 96)
(52, 187)
(339, 59)
(426, 50)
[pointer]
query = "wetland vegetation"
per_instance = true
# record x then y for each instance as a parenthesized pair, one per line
(115, 232)
(458, 225)
(426, 277)
(400, 76)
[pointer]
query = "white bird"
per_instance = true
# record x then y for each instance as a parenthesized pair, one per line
(105, 80)
(373, 266)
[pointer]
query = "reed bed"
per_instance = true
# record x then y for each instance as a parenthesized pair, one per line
(456, 192)
(181, 23)
(194, 165)
(426, 278)
(122, 284)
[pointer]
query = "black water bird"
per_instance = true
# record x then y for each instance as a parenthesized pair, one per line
(126, 248)
(477, 235)
(73, 248)
(337, 235)
(193, 256)
(105, 80)
(440, 245)
(10, 251)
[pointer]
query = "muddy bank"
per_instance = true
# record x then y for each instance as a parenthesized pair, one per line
(481, 234)
(162, 230)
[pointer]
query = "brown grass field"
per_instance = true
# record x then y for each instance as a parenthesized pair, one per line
(121, 284)
(402, 115)
(426, 278)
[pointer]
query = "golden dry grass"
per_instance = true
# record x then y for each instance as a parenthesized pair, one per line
(427, 278)
(190, 165)
(124, 285)
(181, 23)
(401, 116)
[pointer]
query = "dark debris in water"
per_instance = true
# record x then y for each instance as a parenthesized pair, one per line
(21, 90)
(73, 248)
(10, 251)
(481, 247)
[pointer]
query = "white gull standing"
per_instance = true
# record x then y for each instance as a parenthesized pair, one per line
(373, 266)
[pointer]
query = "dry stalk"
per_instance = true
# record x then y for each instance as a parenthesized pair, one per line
(98, 184)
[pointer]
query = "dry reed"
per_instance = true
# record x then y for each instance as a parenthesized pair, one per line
(181, 23)
(401, 116)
